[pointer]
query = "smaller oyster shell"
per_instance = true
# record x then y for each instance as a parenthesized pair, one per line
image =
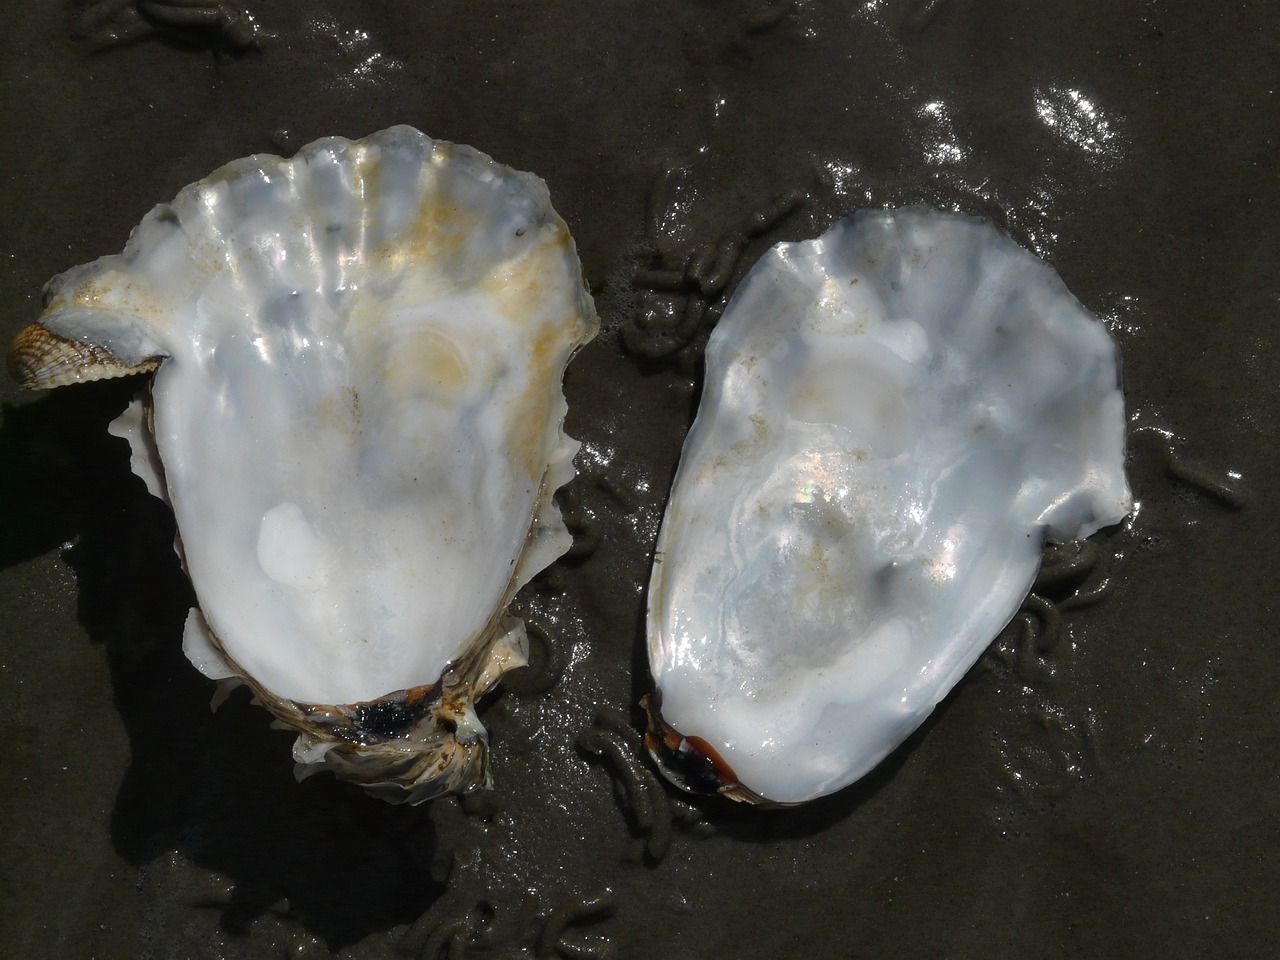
(357, 418)
(895, 417)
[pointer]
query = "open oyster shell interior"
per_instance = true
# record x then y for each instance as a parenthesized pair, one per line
(895, 417)
(356, 416)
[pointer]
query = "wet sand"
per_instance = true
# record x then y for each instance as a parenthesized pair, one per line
(1116, 797)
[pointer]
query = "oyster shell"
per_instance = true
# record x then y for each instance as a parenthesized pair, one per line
(356, 416)
(895, 417)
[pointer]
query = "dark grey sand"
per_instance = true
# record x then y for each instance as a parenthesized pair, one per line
(1115, 797)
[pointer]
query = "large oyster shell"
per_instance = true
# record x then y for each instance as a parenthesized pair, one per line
(356, 416)
(895, 417)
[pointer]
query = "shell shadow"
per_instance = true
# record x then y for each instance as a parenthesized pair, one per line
(766, 825)
(60, 472)
(217, 789)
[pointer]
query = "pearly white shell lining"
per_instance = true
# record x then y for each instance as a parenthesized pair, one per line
(357, 409)
(895, 417)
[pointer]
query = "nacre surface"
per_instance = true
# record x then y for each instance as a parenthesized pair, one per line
(896, 417)
(356, 416)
